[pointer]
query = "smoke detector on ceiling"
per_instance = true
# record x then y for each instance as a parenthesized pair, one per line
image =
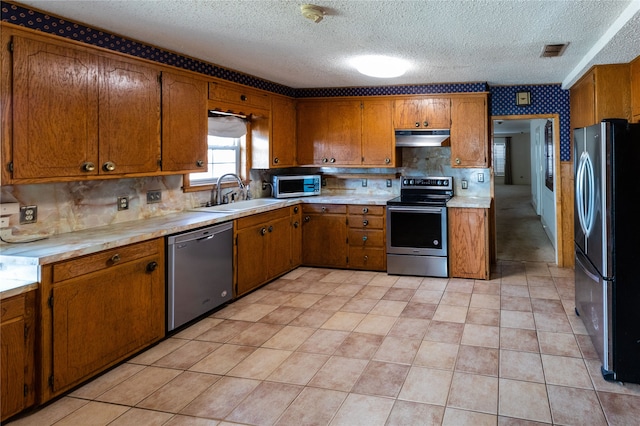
(313, 12)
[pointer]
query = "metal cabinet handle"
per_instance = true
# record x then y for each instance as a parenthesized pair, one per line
(109, 166)
(152, 266)
(243, 97)
(324, 160)
(426, 124)
(270, 228)
(333, 160)
(199, 163)
(417, 124)
(88, 167)
(296, 224)
(324, 209)
(458, 161)
(365, 210)
(263, 231)
(276, 160)
(387, 160)
(364, 239)
(307, 218)
(296, 209)
(366, 258)
(365, 222)
(115, 258)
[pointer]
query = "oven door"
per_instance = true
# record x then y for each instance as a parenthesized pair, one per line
(417, 230)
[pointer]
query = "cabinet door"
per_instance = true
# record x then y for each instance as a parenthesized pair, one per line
(582, 101)
(55, 110)
(101, 317)
(329, 133)
(283, 132)
(279, 247)
(469, 132)
(251, 264)
(422, 113)
(324, 240)
(468, 243)
(634, 71)
(378, 144)
(184, 123)
(129, 118)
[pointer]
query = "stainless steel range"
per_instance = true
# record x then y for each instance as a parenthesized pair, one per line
(417, 227)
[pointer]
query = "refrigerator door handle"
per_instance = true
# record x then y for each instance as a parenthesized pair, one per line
(585, 194)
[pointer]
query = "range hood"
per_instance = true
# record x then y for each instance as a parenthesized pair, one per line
(418, 138)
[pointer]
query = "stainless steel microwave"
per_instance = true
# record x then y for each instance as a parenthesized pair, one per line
(288, 186)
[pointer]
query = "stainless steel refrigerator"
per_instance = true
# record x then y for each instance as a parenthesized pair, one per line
(607, 243)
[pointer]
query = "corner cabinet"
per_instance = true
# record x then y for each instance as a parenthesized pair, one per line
(345, 132)
(469, 131)
(98, 309)
(17, 355)
(469, 255)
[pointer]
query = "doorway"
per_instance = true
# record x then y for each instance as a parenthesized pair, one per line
(527, 222)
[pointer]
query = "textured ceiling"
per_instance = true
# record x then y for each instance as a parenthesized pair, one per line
(448, 41)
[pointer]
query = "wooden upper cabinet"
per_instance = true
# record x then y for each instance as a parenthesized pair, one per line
(422, 113)
(634, 71)
(278, 149)
(55, 110)
(184, 123)
(129, 117)
(603, 92)
(469, 131)
(82, 115)
(238, 96)
(329, 132)
(377, 133)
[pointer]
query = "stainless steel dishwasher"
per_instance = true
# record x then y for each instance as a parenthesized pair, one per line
(199, 272)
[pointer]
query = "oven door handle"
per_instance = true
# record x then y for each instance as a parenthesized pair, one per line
(417, 209)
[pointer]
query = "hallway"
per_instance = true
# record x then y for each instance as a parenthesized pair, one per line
(520, 235)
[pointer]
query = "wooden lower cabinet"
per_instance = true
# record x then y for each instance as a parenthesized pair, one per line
(17, 356)
(263, 248)
(469, 254)
(367, 247)
(324, 235)
(97, 310)
(296, 236)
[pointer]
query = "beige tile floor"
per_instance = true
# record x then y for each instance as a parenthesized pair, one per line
(322, 346)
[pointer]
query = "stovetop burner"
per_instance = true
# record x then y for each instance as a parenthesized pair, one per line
(424, 191)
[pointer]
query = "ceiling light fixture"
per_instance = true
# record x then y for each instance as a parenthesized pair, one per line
(313, 12)
(380, 66)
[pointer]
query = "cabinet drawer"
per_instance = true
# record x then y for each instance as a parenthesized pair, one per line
(366, 222)
(256, 219)
(324, 208)
(238, 96)
(12, 308)
(366, 210)
(104, 259)
(367, 258)
(366, 238)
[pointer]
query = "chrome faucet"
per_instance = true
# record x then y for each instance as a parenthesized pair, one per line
(219, 188)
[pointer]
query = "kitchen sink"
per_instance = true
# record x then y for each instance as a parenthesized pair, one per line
(240, 205)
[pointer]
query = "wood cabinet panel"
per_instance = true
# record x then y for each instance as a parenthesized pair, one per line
(282, 141)
(422, 113)
(296, 236)
(469, 131)
(17, 366)
(184, 123)
(55, 102)
(238, 96)
(129, 121)
(634, 75)
(324, 235)
(378, 145)
(91, 321)
(468, 243)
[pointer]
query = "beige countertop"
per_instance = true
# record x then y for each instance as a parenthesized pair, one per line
(20, 263)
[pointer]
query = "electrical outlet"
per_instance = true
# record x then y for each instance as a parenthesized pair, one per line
(154, 196)
(480, 177)
(464, 184)
(123, 203)
(389, 183)
(364, 183)
(28, 214)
